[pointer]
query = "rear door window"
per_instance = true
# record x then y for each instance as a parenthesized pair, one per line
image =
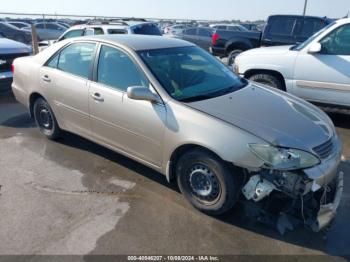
(76, 59)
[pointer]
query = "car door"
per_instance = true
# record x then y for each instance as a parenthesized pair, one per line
(204, 38)
(190, 35)
(325, 76)
(65, 78)
(133, 127)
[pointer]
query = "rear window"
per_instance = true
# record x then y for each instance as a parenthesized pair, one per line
(282, 26)
(146, 29)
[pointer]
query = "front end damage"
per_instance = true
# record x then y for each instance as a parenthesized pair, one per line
(286, 200)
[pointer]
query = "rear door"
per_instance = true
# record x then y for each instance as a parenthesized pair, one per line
(204, 38)
(190, 35)
(325, 77)
(134, 127)
(65, 78)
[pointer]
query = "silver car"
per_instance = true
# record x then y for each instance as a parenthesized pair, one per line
(175, 108)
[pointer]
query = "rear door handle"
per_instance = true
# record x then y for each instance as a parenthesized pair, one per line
(97, 97)
(46, 78)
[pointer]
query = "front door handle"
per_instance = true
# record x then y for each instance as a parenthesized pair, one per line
(46, 78)
(97, 97)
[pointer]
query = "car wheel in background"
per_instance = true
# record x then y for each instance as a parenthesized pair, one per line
(45, 119)
(269, 80)
(232, 56)
(207, 182)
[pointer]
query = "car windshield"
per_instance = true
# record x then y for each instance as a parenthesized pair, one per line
(191, 74)
(312, 38)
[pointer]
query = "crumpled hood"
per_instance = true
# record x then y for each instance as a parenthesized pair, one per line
(273, 50)
(8, 46)
(279, 119)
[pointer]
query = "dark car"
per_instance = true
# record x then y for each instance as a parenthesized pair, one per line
(9, 31)
(280, 30)
(201, 36)
(9, 50)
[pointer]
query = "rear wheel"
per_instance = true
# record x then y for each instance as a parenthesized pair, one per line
(269, 80)
(232, 56)
(45, 119)
(207, 182)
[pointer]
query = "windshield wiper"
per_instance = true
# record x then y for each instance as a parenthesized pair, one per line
(196, 98)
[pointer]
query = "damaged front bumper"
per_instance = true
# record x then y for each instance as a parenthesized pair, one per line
(328, 211)
(307, 197)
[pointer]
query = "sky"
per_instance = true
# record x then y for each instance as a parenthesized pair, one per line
(180, 9)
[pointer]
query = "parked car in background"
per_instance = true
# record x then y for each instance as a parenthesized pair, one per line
(106, 28)
(151, 98)
(20, 25)
(280, 30)
(200, 36)
(251, 27)
(317, 70)
(11, 32)
(175, 29)
(9, 50)
(49, 30)
(64, 24)
(232, 27)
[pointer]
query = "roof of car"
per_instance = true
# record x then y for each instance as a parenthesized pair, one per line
(141, 42)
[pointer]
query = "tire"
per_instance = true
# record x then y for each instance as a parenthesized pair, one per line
(45, 119)
(269, 80)
(207, 182)
(232, 56)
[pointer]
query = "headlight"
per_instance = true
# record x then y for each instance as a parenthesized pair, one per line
(283, 158)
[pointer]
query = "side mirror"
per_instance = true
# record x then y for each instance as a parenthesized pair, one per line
(315, 48)
(142, 93)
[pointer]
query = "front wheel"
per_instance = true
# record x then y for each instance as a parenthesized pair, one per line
(207, 182)
(45, 119)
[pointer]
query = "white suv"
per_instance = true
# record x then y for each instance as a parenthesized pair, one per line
(317, 70)
(106, 28)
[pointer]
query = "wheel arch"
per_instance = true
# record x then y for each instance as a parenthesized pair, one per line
(179, 151)
(32, 98)
(274, 73)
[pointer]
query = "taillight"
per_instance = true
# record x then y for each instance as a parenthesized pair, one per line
(215, 38)
(12, 68)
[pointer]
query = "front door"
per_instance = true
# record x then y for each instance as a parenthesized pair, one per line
(134, 127)
(325, 76)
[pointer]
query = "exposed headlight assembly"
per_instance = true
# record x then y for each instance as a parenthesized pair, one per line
(284, 158)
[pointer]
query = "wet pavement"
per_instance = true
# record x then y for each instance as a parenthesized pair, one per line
(75, 197)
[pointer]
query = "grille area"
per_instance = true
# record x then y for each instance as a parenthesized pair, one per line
(7, 59)
(324, 150)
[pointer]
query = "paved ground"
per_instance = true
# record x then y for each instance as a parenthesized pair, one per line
(75, 197)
